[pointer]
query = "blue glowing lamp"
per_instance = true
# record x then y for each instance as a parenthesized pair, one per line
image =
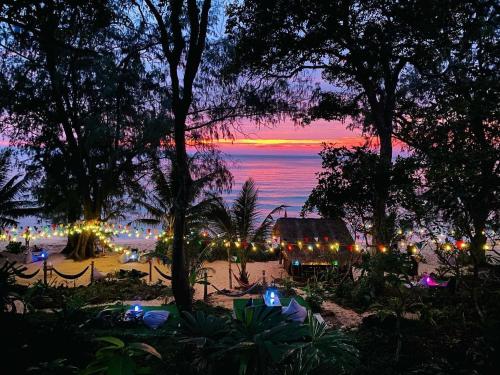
(271, 297)
(296, 263)
(136, 310)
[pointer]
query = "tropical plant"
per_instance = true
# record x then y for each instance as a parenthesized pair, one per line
(8, 294)
(262, 337)
(327, 351)
(209, 174)
(314, 294)
(13, 203)
(238, 225)
(205, 333)
(119, 358)
(15, 247)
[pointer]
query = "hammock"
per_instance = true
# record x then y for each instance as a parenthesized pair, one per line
(70, 277)
(165, 276)
(242, 283)
(236, 294)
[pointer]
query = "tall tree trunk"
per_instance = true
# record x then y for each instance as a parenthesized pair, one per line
(381, 231)
(180, 261)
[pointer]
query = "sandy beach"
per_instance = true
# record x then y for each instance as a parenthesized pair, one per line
(110, 263)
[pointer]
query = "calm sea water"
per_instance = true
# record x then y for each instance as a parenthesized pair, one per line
(281, 179)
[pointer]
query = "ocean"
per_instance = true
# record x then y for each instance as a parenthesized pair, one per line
(280, 179)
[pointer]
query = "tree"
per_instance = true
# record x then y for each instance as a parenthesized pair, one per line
(180, 29)
(13, 202)
(210, 176)
(182, 41)
(450, 120)
(346, 188)
(74, 93)
(239, 225)
(361, 48)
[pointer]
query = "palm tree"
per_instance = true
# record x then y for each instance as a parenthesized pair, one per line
(12, 188)
(239, 225)
(159, 205)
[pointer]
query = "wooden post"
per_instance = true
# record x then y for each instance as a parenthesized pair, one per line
(91, 272)
(205, 286)
(45, 271)
(150, 270)
(264, 278)
(229, 270)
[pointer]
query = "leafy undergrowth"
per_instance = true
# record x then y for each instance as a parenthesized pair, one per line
(41, 296)
(42, 339)
(447, 336)
(447, 348)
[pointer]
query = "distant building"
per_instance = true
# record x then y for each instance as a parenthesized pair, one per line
(307, 244)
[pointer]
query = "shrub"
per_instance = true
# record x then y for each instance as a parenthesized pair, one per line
(15, 247)
(314, 295)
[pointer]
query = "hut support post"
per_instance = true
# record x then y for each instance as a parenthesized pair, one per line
(150, 271)
(92, 272)
(45, 271)
(205, 286)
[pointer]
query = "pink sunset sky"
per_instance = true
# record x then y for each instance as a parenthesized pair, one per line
(287, 138)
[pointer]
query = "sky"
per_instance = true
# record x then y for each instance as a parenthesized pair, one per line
(287, 138)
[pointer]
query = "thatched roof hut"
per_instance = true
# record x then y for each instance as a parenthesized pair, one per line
(313, 242)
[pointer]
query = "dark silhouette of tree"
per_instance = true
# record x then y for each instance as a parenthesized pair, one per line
(450, 120)
(74, 93)
(210, 176)
(186, 46)
(361, 48)
(346, 188)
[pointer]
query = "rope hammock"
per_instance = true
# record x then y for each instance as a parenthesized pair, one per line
(239, 281)
(70, 277)
(236, 294)
(231, 294)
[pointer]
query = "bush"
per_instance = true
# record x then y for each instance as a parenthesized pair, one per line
(41, 296)
(314, 295)
(15, 247)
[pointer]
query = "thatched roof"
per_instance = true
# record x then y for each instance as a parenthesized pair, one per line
(307, 230)
(315, 237)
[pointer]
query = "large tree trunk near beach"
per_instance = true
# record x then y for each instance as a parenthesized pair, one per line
(80, 246)
(183, 54)
(180, 272)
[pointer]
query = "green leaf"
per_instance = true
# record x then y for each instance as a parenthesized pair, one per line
(112, 340)
(145, 348)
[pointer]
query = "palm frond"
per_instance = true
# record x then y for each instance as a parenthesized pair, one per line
(220, 219)
(245, 210)
(264, 229)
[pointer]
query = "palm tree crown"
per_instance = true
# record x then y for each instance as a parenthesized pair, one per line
(12, 188)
